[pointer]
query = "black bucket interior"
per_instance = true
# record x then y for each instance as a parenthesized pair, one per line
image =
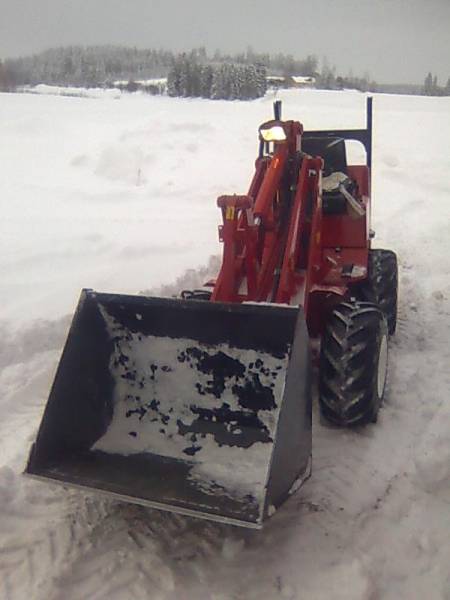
(197, 407)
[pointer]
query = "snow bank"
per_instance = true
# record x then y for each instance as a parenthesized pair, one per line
(73, 92)
(120, 196)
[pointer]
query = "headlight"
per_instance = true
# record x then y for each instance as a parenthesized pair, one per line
(273, 134)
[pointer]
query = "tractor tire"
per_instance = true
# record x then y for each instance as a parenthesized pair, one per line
(353, 364)
(382, 284)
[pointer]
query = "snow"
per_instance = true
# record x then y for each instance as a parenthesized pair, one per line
(149, 408)
(75, 92)
(120, 196)
(151, 81)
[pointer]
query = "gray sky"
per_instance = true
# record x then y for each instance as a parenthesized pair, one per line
(393, 40)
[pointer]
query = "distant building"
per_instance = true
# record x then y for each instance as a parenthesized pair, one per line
(295, 81)
(276, 81)
(303, 81)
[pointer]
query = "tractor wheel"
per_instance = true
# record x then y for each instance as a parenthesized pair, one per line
(353, 364)
(382, 283)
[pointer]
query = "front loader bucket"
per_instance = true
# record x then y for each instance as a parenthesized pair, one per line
(190, 406)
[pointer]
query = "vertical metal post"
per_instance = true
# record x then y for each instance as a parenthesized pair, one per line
(261, 149)
(369, 131)
(277, 110)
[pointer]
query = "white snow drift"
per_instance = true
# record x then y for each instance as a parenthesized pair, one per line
(120, 196)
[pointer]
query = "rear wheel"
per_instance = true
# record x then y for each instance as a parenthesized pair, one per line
(353, 364)
(381, 284)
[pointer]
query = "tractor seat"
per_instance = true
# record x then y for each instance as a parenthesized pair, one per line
(332, 151)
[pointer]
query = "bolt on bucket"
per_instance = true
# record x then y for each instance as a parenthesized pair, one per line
(194, 407)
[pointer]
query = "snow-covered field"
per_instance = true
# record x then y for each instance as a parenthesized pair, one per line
(119, 195)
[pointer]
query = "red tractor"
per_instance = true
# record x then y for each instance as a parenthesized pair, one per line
(202, 405)
(302, 236)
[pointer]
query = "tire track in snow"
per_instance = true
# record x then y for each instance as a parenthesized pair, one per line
(359, 461)
(96, 549)
(326, 508)
(134, 550)
(359, 479)
(36, 548)
(58, 543)
(85, 547)
(41, 526)
(80, 546)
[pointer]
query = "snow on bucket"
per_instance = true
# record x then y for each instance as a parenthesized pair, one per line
(196, 407)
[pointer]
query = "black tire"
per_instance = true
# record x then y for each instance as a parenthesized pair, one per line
(381, 285)
(353, 364)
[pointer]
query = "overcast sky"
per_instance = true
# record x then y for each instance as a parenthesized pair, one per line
(392, 40)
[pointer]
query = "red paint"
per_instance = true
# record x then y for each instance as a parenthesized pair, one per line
(279, 246)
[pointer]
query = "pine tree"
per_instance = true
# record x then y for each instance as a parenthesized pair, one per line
(261, 80)
(219, 89)
(184, 77)
(2, 77)
(328, 77)
(435, 87)
(216, 83)
(309, 67)
(428, 85)
(206, 80)
(194, 76)
(447, 88)
(245, 77)
(173, 78)
(235, 82)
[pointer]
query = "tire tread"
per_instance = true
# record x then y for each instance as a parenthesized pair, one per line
(381, 286)
(348, 368)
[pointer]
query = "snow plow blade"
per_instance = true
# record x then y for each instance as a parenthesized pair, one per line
(195, 407)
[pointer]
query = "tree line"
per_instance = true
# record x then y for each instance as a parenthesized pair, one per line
(191, 77)
(213, 76)
(87, 67)
(197, 73)
(97, 65)
(432, 88)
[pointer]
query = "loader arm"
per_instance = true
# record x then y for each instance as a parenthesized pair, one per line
(281, 244)
(261, 232)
